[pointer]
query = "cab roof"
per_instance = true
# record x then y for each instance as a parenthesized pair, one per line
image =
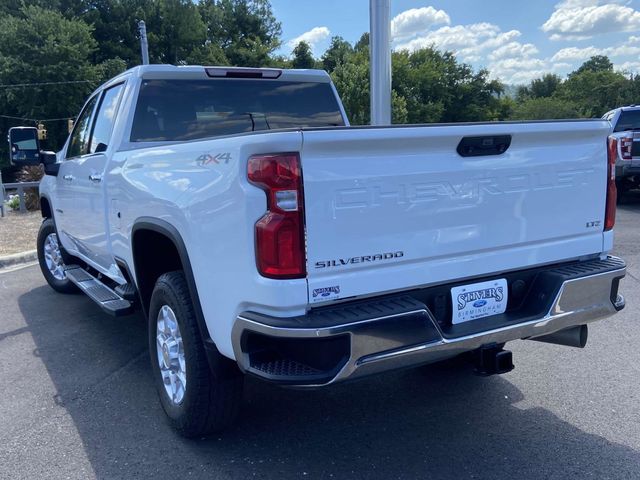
(207, 72)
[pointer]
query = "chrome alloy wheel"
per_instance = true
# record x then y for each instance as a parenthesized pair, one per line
(53, 257)
(170, 351)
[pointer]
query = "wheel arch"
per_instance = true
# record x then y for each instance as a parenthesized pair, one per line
(167, 240)
(45, 207)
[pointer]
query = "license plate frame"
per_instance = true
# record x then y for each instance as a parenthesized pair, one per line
(474, 301)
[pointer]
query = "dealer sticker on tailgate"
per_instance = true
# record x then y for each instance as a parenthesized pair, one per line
(479, 300)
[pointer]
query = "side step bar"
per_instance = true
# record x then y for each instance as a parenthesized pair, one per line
(106, 298)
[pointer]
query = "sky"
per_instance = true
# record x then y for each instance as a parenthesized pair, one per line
(516, 40)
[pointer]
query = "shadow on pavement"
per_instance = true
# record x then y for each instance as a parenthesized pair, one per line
(629, 201)
(434, 422)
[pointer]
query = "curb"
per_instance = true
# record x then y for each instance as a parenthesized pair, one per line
(18, 258)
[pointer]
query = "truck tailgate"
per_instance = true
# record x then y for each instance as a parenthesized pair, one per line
(393, 208)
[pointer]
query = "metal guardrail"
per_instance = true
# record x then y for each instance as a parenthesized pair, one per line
(20, 188)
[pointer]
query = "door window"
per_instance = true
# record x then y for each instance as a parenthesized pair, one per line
(105, 119)
(79, 142)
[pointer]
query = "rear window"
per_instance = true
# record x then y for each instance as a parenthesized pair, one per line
(629, 120)
(174, 110)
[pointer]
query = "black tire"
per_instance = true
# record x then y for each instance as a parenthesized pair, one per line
(213, 394)
(62, 285)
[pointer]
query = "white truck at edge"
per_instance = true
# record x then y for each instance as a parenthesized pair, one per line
(267, 237)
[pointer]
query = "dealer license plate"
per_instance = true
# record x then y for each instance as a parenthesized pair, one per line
(479, 300)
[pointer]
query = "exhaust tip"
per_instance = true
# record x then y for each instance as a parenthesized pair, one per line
(570, 337)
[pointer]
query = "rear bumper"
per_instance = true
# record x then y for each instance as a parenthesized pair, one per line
(363, 338)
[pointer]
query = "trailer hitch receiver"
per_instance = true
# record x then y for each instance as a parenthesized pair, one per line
(492, 360)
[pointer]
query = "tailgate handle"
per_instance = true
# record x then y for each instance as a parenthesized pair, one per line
(483, 146)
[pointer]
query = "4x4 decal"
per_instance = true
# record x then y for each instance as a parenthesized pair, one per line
(217, 159)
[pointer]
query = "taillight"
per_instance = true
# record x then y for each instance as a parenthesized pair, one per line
(626, 144)
(280, 246)
(610, 209)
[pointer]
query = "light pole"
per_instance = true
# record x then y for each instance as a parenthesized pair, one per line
(144, 44)
(380, 60)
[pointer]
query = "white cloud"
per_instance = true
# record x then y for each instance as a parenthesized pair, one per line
(575, 53)
(313, 37)
(514, 61)
(629, 67)
(416, 21)
(508, 59)
(514, 50)
(518, 71)
(469, 42)
(582, 19)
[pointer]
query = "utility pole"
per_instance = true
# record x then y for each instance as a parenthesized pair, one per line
(380, 60)
(144, 44)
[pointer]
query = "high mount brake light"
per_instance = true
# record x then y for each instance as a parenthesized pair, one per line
(219, 72)
(612, 193)
(280, 245)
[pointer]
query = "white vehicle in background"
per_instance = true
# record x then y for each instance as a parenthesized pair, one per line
(625, 122)
(259, 234)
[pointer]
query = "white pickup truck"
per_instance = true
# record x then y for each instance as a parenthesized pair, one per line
(259, 234)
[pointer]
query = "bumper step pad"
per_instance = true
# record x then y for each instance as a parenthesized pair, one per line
(106, 298)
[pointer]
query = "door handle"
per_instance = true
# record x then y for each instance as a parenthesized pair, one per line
(95, 178)
(69, 178)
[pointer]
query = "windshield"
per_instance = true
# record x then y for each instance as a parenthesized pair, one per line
(629, 120)
(174, 110)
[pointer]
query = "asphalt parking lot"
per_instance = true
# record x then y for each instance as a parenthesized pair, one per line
(77, 401)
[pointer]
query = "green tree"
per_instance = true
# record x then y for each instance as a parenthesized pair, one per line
(177, 30)
(428, 86)
(544, 86)
(246, 30)
(40, 45)
(595, 88)
(597, 63)
(302, 56)
(208, 54)
(337, 53)
(399, 112)
(545, 108)
(438, 88)
(362, 45)
(115, 28)
(352, 81)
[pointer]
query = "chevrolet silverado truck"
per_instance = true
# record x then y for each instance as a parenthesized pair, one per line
(260, 234)
(625, 125)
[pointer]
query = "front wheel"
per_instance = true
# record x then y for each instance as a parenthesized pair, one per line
(50, 258)
(197, 397)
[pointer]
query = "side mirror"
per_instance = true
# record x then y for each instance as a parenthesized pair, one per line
(49, 160)
(24, 147)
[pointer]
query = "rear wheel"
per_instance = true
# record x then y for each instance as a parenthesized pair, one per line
(197, 397)
(50, 258)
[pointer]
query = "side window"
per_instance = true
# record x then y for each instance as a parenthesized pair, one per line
(105, 118)
(79, 143)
